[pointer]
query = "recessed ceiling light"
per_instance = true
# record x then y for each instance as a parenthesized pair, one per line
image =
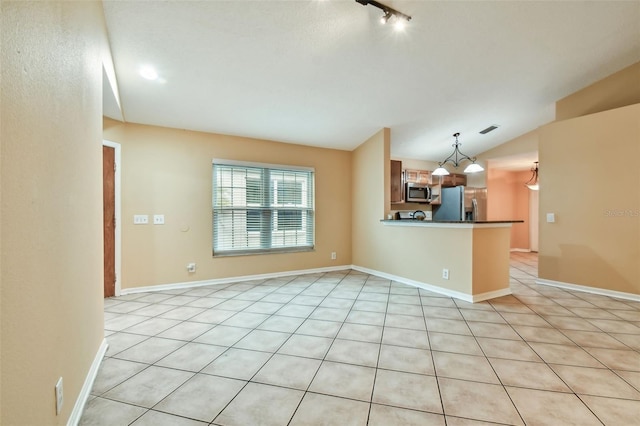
(149, 73)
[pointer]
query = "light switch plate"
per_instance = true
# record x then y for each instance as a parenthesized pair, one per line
(158, 219)
(140, 219)
(551, 217)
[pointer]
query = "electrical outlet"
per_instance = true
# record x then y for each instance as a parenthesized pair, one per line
(334, 256)
(158, 219)
(140, 219)
(551, 217)
(191, 267)
(59, 396)
(445, 274)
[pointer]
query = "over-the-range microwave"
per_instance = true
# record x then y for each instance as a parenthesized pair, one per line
(417, 193)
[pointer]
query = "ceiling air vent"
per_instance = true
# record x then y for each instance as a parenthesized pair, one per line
(488, 129)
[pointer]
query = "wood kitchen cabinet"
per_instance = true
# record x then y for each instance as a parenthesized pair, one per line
(453, 179)
(396, 182)
(417, 176)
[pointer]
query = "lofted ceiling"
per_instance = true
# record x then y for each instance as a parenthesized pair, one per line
(327, 73)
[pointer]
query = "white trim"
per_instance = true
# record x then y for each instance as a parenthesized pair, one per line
(520, 250)
(224, 162)
(430, 224)
(587, 289)
(433, 288)
(218, 281)
(118, 212)
(81, 401)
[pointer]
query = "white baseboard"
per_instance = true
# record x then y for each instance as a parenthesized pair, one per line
(436, 289)
(218, 281)
(81, 401)
(520, 250)
(587, 289)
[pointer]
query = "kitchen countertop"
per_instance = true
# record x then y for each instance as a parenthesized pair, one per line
(450, 223)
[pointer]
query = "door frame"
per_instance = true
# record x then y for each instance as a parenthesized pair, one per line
(118, 231)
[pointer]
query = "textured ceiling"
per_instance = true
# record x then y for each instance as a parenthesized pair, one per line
(327, 73)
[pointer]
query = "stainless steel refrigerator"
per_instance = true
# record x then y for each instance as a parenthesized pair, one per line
(462, 203)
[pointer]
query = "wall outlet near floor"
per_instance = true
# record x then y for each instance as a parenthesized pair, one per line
(334, 256)
(445, 274)
(191, 267)
(59, 396)
(140, 219)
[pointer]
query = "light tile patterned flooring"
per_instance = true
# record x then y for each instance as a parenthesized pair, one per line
(346, 348)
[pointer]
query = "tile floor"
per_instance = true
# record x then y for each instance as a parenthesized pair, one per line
(346, 348)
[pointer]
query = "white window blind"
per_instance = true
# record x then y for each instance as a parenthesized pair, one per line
(261, 208)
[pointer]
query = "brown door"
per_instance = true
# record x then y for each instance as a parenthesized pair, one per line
(109, 226)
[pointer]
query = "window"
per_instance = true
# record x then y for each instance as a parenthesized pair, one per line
(261, 208)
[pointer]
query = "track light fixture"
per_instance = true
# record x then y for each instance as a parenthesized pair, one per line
(456, 158)
(401, 18)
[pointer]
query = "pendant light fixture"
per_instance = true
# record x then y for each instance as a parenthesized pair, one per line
(532, 183)
(456, 158)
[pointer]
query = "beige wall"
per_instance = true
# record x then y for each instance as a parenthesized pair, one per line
(615, 91)
(168, 171)
(591, 184)
(51, 160)
(508, 199)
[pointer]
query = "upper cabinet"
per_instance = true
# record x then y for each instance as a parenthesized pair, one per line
(417, 176)
(396, 182)
(453, 179)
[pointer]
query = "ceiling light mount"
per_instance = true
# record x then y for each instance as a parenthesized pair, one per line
(532, 183)
(456, 158)
(389, 12)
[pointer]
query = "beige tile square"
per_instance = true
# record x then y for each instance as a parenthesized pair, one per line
(443, 302)
(565, 355)
(459, 421)
(361, 332)
(192, 357)
(409, 360)
(373, 296)
(150, 350)
(617, 359)
(541, 335)
(363, 317)
(288, 371)
(320, 328)
(613, 411)
(407, 390)
(245, 319)
(570, 323)
(351, 352)
(532, 320)
(187, 331)
(595, 381)
(182, 313)
(405, 321)
(156, 418)
(119, 341)
(327, 410)
(533, 375)
(631, 377)
(592, 339)
(262, 340)
(482, 316)
(330, 314)
(551, 408)
(508, 349)
(497, 331)
(404, 299)
(367, 305)
(611, 326)
(404, 337)
(157, 383)
(479, 401)
(439, 312)
(223, 335)
(383, 415)
(442, 325)
(593, 313)
(202, 397)
(456, 343)
(334, 302)
(213, 316)
(264, 307)
(259, 404)
(281, 323)
(405, 309)
(299, 311)
(348, 381)
(114, 371)
(306, 346)
(104, 412)
(237, 364)
(464, 367)
(631, 340)
(152, 326)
